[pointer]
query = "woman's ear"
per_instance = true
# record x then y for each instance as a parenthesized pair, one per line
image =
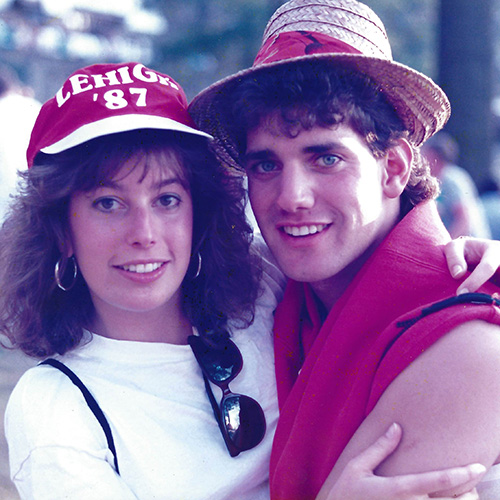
(66, 247)
(398, 165)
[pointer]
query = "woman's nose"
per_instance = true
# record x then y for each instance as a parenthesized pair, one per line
(141, 228)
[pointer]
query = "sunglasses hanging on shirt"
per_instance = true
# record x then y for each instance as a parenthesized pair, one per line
(241, 419)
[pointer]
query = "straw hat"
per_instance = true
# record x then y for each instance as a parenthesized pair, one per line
(344, 31)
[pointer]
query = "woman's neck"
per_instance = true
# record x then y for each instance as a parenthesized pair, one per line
(167, 326)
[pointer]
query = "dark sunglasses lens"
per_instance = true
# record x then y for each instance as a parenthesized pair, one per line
(244, 421)
(220, 363)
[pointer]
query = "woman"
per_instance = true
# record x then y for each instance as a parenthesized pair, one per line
(125, 252)
(147, 237)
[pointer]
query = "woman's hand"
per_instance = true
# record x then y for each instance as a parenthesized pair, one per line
(358, 481)
(482, 253)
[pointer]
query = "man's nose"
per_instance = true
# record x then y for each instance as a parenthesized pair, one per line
(296, 189)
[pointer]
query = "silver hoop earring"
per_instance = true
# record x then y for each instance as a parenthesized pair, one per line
(199, 266)
(60, 270)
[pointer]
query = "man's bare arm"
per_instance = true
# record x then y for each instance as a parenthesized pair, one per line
(448, 403)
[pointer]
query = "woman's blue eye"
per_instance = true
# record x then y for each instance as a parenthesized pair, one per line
(106, 203)
(168, 200)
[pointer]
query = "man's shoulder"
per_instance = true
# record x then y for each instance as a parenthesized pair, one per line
(447, 402)
(457, 377)
(448, 399)
(473, 345)
(469, 341)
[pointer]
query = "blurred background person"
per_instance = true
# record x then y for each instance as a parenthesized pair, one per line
(490, 199)
(18, 111)
(459, 204)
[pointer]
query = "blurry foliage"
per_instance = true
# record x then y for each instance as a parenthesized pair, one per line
(209, 39)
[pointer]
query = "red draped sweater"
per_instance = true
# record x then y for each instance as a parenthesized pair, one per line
(331, 375)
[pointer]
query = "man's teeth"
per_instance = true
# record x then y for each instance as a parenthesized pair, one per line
(142, 268)
(304, 230)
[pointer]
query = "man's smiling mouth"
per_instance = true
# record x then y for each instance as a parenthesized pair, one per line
(304, 230)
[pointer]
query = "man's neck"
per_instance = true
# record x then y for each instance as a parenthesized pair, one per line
(329, 291)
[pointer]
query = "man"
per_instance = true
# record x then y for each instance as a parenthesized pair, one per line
(328, 129)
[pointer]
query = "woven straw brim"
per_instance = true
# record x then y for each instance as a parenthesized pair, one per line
(419, 102)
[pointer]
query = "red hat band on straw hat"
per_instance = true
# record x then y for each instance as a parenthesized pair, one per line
(300, 43)
(104, 99)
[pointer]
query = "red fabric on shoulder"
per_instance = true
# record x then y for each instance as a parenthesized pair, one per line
(347, 368)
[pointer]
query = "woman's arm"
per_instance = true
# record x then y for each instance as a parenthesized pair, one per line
(358, 481)
(57, 448)
(57, 473)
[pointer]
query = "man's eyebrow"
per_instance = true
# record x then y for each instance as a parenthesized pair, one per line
(322, 148)
(262, 154)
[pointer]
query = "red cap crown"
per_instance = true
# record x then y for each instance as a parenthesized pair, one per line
(108, 98)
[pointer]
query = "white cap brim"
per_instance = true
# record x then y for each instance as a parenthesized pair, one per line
(116, 124)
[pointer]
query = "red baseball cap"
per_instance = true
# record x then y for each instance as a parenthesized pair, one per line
(105, 99)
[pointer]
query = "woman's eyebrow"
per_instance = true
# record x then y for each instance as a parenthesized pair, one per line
(168, 182)
(112, 184)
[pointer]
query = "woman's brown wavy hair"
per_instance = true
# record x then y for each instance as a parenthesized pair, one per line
(41, 319)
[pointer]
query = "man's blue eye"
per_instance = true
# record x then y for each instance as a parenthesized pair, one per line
(265, 166)
(329, 159)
